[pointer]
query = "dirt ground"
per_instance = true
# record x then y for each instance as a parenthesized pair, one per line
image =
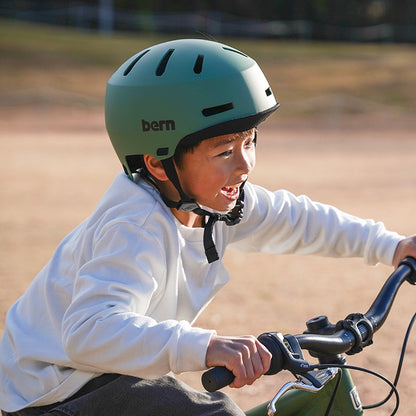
(56, 163)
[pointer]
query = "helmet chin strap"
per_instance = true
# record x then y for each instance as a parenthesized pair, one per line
(187, 204)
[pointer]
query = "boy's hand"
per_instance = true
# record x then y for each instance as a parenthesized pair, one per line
(406, 247)
(245, 356)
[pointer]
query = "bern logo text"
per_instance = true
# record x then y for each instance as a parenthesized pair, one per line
(161, 125)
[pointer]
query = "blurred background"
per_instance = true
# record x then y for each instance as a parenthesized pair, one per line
(345, 134)
(355, 20)
(298, 43)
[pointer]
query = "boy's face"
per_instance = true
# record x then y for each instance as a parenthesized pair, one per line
(213, 172)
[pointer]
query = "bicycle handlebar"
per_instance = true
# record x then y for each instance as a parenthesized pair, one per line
(348, 336)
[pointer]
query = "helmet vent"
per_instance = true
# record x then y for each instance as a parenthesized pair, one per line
(130, 67)
(235, 51)
(163, 62)
(212, 111)
(198, 64)
(269, 92)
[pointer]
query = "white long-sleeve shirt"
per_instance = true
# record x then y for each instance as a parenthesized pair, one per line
(122, 290)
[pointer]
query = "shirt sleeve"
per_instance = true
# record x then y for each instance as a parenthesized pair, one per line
(281, 223)
(108, 326)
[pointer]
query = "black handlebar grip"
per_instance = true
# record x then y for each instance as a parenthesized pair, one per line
(410, 262)
(216, 378)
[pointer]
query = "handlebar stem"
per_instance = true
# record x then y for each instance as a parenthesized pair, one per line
(361, 328)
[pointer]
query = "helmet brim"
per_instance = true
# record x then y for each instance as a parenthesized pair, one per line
(228, 127)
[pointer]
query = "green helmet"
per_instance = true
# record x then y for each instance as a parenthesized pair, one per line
(185, 89)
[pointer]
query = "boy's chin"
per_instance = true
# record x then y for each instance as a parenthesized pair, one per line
(223, 211)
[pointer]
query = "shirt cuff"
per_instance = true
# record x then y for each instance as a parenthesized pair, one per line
(192, 350)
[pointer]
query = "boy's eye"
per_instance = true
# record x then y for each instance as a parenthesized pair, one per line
(226, 153)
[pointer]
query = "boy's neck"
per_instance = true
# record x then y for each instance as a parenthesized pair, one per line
(189, 219)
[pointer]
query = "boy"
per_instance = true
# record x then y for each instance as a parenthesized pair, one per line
(110, 315)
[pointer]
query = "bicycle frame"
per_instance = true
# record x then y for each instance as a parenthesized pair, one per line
(303, 403)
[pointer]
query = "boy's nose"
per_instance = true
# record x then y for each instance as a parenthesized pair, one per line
(245, 162)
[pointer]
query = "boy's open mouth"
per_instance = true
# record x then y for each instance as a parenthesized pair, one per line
(231, 192)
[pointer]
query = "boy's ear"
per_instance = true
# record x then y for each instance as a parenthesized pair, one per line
(155, 167)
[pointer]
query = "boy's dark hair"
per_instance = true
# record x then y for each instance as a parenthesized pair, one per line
(136, 162)
(183, 148)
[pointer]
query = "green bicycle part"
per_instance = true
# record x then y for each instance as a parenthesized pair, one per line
(302, 403)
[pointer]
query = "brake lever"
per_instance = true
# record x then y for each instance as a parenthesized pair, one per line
(312, 381)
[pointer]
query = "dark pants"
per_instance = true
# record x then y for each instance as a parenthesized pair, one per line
(117, 395)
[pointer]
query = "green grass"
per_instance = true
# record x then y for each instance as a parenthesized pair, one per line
(38, 57)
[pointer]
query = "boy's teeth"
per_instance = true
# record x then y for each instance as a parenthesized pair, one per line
(229, 189)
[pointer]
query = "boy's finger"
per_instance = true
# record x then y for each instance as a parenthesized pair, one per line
(266, 357)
